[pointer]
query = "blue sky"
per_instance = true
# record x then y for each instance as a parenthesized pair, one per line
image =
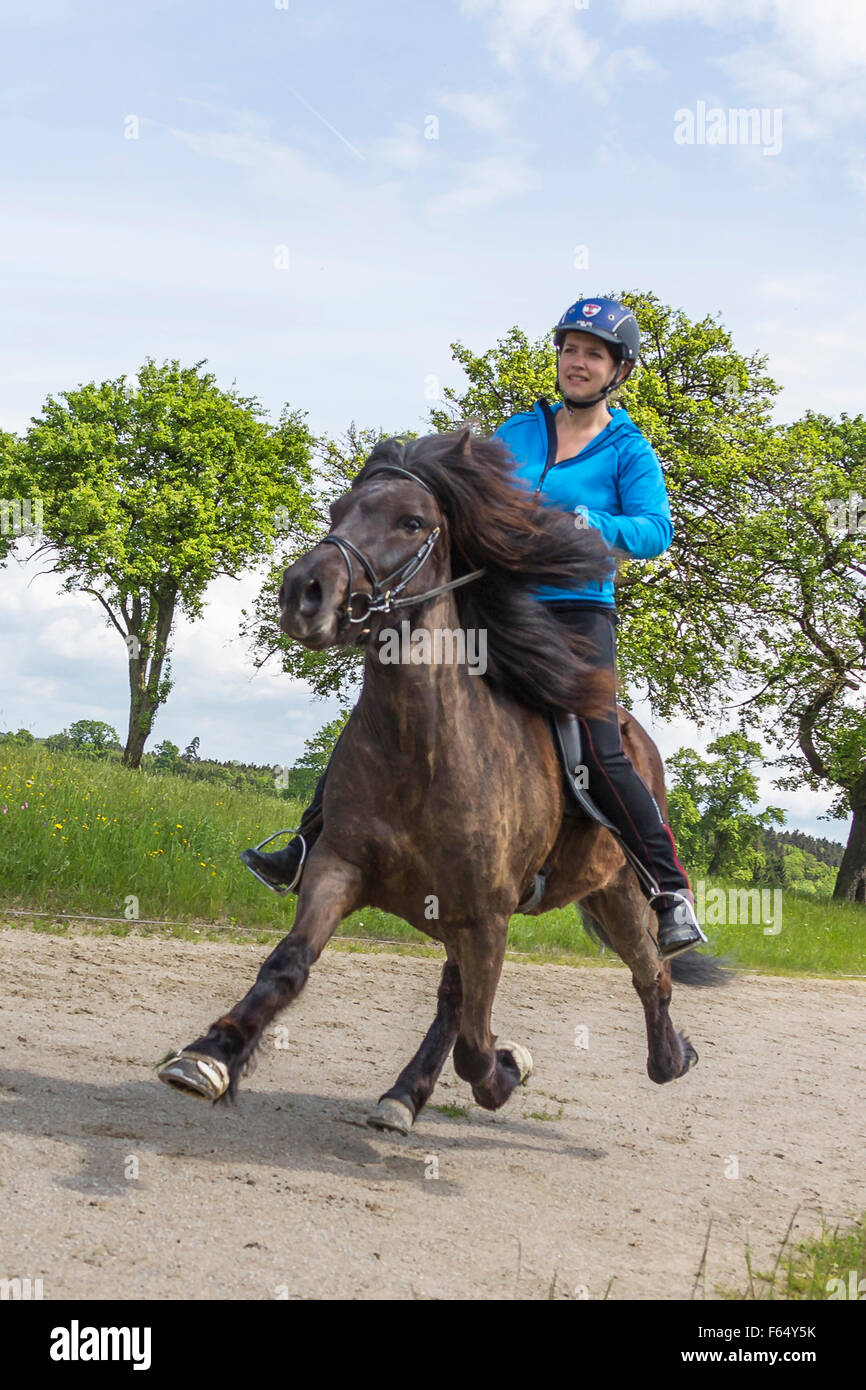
(300, 134)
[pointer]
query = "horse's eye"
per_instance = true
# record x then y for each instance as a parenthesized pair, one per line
(412, 523)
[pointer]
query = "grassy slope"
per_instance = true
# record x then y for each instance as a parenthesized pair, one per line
(78, 836)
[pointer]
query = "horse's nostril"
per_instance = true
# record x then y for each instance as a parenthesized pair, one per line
(311, 597)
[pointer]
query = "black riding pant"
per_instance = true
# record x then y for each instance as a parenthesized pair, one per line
(613, 781)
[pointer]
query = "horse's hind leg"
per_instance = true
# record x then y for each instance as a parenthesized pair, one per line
(621, 913)
(399, 1108)
(212, 1066)
(492, 1072)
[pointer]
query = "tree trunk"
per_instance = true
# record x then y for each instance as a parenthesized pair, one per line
(851, 880)
(148, 654)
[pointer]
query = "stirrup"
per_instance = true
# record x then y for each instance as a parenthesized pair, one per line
(283, 887)
(689, 917)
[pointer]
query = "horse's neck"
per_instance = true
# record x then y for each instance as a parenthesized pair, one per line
(413, 707)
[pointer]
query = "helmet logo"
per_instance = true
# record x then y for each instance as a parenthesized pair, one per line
(590, 310)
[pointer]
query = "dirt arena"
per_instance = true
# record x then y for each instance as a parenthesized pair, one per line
(590, 1181)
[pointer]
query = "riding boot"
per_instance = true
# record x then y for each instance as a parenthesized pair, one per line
(282, 870)
(679, 929)
(279, 871)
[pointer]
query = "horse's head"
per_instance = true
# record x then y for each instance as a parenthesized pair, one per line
(388, 541)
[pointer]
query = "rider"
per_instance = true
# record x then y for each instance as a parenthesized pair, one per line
(601, 467)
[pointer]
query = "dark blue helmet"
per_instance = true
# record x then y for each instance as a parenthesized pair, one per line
(605, 319)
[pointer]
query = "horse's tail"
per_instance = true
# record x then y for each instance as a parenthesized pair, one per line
(695, 968)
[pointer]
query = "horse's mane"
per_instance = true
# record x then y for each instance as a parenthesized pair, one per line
(497, 524)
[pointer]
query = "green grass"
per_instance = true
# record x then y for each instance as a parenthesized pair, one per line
(818, 1268)
(79, 836)
(453, 1112)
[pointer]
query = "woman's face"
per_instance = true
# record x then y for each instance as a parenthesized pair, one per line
(585, 365)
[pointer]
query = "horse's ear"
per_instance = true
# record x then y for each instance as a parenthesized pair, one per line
(463, 442)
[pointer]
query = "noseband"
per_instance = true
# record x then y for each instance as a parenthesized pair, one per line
(382, 598)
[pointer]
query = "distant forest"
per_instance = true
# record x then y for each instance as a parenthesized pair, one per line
(827, 851)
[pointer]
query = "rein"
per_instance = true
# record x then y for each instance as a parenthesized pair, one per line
(382, 598)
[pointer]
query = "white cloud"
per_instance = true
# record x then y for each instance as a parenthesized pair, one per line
(483, 182)
(405, 149)
(483, 111)
(276, 168)
(856, 172)
(62, 663)
(549, 30)
(812, 64)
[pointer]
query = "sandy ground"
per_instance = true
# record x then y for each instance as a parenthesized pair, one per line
(114, 1185)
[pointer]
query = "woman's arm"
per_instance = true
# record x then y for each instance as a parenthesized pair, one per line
(645, 528)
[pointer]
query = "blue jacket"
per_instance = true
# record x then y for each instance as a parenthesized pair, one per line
(616, 482)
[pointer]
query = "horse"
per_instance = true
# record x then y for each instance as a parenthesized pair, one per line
(444, 795)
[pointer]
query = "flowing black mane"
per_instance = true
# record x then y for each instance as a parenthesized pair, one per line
(497, 524)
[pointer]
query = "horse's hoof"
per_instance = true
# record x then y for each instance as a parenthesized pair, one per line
(393, 1115)
(522, 1059)
(196, 1074)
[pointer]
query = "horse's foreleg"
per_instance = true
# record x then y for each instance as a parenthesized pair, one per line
(670, 1054)
(621, 912)
(212, 1066)
(492, 1072)
(399, 1108)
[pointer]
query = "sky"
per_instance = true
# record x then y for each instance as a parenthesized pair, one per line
(319, 198)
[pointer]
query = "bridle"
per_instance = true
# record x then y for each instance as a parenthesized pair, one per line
(382, 598)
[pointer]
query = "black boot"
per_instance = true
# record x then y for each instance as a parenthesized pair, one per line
(679, 929)
(280, 871)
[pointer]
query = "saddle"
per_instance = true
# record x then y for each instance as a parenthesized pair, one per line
(579, 805)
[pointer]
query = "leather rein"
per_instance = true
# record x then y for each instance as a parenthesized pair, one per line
(382, 598)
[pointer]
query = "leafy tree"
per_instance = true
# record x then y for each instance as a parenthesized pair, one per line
(152, 490)
(22, 739)
(91, 736)
(190, 753)
(302, 778)
(806, 644)
(762, 591)
(708, 808)
(11, 497)
(166, 756)
(802, 872)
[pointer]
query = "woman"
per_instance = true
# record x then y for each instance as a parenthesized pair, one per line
(584, 459)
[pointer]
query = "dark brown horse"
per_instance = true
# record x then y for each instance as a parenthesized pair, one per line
(445, 796)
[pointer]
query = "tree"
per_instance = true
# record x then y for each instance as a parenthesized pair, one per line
(15, 510)
(806, 647)
(22, 739)
(166, 756)
(303, 776)
(761, 592)
(92, 736)
(190, 753)
(152, 490)
(708, 808)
